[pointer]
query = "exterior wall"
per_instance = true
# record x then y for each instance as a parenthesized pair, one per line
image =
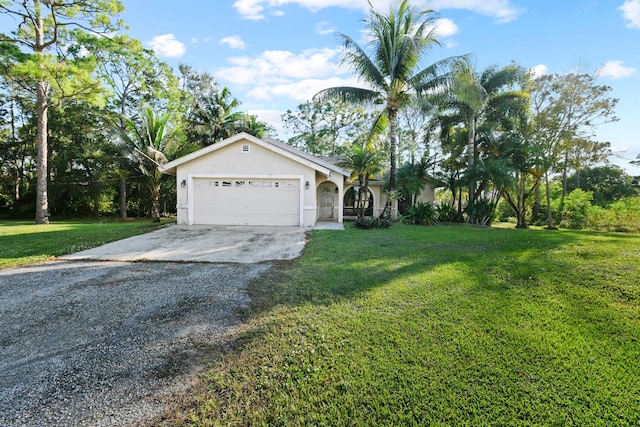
(232, 162)
(428, 194)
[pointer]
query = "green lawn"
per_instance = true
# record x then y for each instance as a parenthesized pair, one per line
(445, 325)
(23, 242)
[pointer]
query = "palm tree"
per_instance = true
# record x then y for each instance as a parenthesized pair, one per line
(251, 125)
(390, 71)
(494, 97)
(215, 119)
(364, 161)
(152, 145)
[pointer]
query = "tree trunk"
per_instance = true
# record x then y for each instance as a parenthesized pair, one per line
(393, 145)
(42, 105)
(521, 211)
(96, 202)
(471, 157)
(548, 196)
(155, 204)
(42, 203)
(123, 197)
(536, 203)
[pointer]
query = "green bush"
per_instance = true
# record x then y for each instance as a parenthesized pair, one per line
(447, 212)
(575, 213)
(371, 222)
(623, 215)
(503, 211)
(423, 213)
(480, 212)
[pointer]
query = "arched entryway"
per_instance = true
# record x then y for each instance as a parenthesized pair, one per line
(351, 206)
(327, 194)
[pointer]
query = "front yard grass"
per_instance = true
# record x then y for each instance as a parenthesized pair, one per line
(23, 242)
(445, 325)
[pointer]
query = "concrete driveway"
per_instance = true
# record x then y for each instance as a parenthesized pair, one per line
(202, 243)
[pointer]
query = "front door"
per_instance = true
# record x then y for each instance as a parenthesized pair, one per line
(326, 203)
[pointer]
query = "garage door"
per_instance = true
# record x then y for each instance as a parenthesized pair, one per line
(246, 201)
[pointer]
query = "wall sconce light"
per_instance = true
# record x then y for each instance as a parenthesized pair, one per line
(337, 191)
(183, 183)
(306, 185)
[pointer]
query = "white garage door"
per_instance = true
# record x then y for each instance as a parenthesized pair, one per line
(246, 201)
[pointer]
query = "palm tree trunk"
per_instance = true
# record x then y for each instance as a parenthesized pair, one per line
(393, 145)
(471, 156)
(155, 204)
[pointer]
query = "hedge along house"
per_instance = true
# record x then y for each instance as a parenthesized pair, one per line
(244, 180)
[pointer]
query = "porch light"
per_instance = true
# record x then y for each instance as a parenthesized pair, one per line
(183, 183)
(306, 185)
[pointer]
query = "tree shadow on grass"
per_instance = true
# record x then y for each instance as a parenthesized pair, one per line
(338, 265)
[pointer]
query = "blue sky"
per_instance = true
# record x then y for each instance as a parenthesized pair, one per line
(275, 54)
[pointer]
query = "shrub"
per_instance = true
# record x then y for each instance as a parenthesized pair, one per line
(371, 222)
(480, 212)
(623, 215)
(447, 212)
(575, 212)
(503, 211)
(423, 213)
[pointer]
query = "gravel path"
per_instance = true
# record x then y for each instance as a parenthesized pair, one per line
(102, 343)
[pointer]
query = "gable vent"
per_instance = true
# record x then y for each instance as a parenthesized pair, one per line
(246, 148)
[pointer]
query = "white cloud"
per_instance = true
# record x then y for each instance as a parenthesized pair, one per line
(301, 90)
(271, 117)
(234, 42)
(538, 70)
(631, 13)
(323, 28)
(281, 66)
(445, 28)
(167, 46)
(502, 10)
(616, 70)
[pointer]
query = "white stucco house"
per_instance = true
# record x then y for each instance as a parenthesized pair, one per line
(244, 180)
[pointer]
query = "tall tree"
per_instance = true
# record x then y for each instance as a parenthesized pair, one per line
(487, 99)
(135, 77)
(567, 109)
(390, 69)
(43, 27)
(323, 128)
(607, 183)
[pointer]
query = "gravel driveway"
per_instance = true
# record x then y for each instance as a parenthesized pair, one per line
(101, 343)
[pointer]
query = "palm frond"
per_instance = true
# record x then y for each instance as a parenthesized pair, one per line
(355, 95)
(356, 58)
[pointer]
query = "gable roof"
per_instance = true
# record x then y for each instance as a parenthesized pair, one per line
(271, 144)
